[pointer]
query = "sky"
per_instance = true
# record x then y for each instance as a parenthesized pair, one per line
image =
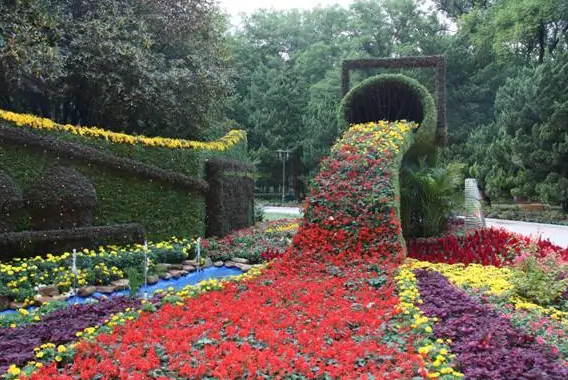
(234, 7)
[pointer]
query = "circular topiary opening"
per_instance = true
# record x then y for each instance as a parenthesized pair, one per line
(388, 99)
(391, 97)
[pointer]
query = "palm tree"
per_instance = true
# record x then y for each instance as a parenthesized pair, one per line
(429, 196)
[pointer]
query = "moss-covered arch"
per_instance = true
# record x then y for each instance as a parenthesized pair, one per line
(392, 97)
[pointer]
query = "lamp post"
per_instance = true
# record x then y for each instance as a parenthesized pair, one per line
(283, 155)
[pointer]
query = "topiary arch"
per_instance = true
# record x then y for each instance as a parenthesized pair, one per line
(391, 97)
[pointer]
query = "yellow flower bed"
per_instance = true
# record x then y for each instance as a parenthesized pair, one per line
(24, 271)
(489, 279)
(284, 228)
(389, 135)
(232, 138)
(494, 280)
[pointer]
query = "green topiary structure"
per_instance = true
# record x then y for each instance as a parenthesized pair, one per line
(391, 97)
(11, 201)
(156, 183)
(61, 198)
(437, 63)
(230, 200)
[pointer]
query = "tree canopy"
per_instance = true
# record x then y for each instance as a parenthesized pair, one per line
(176, 69)
(143, 66)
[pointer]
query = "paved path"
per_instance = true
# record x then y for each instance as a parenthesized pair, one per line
(282, 210)
(555, 233)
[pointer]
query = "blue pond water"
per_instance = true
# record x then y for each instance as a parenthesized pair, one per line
(177, 284)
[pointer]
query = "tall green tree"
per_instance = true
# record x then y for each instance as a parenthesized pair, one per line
(141, 66)
(532, 120)
(288, 71)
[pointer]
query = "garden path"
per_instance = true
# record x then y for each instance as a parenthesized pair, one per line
(555, 233)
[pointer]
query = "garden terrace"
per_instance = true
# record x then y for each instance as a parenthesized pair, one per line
(116, 180)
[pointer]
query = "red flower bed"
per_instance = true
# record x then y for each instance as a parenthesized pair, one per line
(490, 246)
(310, 322)
(322, 311)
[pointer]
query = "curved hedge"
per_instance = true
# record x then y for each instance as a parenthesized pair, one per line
(393, 97)
(158, 183)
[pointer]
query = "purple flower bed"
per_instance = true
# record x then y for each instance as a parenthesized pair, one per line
(59, 327)
(485, 343)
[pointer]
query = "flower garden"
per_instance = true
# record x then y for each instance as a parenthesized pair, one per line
(338, 295)
(338, 299)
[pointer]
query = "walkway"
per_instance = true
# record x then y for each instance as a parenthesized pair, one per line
(555, 233)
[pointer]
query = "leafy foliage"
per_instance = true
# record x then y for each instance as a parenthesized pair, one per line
(429, 196)
(541, 280)
(530, 155)
(152, 67)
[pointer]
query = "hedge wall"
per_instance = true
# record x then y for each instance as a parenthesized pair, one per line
(160, 188)
(230, 200)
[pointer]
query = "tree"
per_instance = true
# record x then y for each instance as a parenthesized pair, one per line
(532, 144)
(288, 70)
(141, 66)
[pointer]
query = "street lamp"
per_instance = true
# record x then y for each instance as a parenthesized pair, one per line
(283, 155)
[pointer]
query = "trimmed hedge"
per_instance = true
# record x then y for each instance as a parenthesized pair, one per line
(77, 152)
(230, 200)
(162, 189)
(33, 243)
(61, 198)
(11, 200)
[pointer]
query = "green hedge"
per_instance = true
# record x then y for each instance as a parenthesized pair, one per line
(166, 200)
(230, 200)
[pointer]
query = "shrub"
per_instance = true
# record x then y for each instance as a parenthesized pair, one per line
(429, 196)
(135, 280)
(541, 280)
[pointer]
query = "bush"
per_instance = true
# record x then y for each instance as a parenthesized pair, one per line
(541, 280)
(429, 196)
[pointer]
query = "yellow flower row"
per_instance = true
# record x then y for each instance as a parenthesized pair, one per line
(284, 228)
(437, 351)
(489, 279)
(19, 271)
(232, 138)
(378, 135)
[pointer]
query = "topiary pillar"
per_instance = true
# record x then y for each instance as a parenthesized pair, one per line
(11, 201)
(230, 199)
(62, 198)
